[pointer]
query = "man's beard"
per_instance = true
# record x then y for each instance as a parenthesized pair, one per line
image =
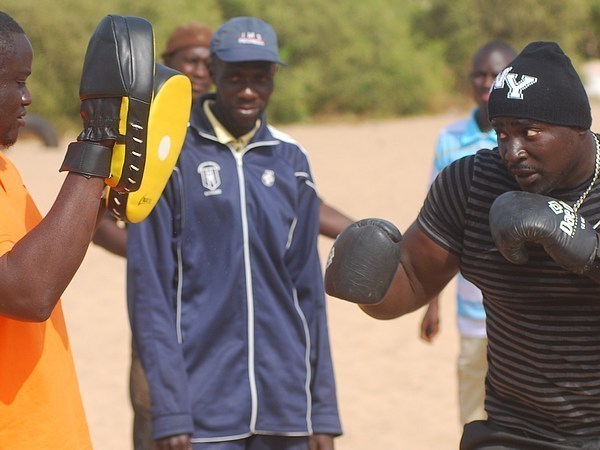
(6, 140)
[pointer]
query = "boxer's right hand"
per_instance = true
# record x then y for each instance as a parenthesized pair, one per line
(363, 261)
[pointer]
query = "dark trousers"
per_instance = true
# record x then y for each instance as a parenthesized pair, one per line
(258, 443)
(483, 435)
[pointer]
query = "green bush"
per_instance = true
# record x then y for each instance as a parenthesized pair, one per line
(380, 58)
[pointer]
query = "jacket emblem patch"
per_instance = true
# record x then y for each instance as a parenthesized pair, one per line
(211, 177)
(268, 178)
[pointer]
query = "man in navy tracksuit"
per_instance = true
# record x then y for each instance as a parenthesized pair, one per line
(224, 281)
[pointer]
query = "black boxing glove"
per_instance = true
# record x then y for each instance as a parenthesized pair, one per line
(363, 261)
(517, 218)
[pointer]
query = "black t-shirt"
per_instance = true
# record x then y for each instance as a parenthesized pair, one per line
(543, 323)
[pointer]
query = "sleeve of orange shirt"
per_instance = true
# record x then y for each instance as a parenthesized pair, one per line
(40, 403)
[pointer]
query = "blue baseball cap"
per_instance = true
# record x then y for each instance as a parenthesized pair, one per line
(244, 39)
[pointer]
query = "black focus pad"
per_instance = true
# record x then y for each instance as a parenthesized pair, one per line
(363, 261)
(116, 92)
(119, 61)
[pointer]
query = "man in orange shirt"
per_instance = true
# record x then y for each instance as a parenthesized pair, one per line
(40, 403)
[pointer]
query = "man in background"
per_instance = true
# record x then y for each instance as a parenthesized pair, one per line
(462, 138)
(187, 50)
(225, 288)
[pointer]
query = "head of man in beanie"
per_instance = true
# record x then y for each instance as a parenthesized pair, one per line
(518, 222)
(225, 287)
(541, 87)
(188, 51)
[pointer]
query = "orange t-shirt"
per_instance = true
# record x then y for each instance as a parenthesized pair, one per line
(40, 403)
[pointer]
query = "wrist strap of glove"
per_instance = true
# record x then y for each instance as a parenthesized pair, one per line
(88, 158)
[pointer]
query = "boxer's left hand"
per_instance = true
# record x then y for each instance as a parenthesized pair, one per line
(363, 261)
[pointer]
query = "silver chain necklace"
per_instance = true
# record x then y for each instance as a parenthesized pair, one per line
(594, 178)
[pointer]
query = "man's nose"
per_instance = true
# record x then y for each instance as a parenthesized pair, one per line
(248, 91)
(513, 151)
(26, 97)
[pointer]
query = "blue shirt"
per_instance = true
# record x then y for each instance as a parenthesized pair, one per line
(459, 139)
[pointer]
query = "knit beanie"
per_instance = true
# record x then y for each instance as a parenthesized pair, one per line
(541, 84)
(188, 35)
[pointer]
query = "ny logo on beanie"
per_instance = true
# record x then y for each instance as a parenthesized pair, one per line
(546, 86)
(515, 89)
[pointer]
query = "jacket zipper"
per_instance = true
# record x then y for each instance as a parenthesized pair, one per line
(249, 292)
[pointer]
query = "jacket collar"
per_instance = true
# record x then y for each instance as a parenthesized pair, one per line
(200, 123)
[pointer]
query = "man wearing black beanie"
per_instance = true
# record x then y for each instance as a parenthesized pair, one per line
(519, 222)
(541, 84)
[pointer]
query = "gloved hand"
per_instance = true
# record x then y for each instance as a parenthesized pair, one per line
(91, 154)
(363, 261)
(115, 91)
(100, 117)
(517, 218)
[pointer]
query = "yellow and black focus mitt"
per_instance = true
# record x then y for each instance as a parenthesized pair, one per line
(139, 106)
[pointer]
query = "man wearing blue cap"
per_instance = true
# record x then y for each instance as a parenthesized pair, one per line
(225, 286)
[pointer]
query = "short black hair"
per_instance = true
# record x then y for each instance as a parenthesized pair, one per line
(8, 28)
(493, 46)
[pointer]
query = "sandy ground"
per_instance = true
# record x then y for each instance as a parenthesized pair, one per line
(395, 391)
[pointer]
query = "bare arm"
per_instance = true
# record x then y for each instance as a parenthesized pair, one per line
(331, 221)
(35, 273)
(425, 269)
(110, 236)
